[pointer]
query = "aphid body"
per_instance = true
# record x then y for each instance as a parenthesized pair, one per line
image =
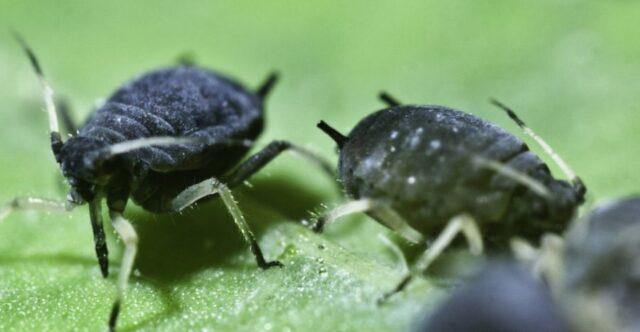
(419, 169)
(165, 139)
(601, 283)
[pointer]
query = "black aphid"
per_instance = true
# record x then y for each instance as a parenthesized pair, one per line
(425, 169)
(503, 297)
(165, 139)
(601, 269)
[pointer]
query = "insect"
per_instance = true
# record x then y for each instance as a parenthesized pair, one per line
(165, 139)
(594, 270)
(425, 169)
(502, 297)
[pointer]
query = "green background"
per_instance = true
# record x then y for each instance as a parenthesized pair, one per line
(571, 69)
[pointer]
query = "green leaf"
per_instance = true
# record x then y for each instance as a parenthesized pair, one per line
(569, 69)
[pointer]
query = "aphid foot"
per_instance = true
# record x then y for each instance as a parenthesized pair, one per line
(113, 317)
(399, 288)
(267, 265)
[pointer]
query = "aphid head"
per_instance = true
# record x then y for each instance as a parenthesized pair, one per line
(560, 207)
(81, 167)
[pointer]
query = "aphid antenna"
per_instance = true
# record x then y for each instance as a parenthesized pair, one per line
(575, 180)
(267, 85)
(388, 99)
(333, 133)
(56, 139)
(512, 173)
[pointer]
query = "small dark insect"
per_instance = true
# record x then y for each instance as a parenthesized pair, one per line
(425, 169)
(166, 140)
(601, 267)
(503, 297)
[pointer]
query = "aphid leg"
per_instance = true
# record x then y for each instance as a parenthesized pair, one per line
(462, 223)
(351, 207)
(386, 241)
(546, 262)
(266, 155)
(577, 182)
(212, 186)
(127, 233)
(56, 139)
(388, 99)
(34, 203)
(382, 212)
(99, 239)
(390, 218)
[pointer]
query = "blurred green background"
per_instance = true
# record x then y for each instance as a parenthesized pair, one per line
(571, 69)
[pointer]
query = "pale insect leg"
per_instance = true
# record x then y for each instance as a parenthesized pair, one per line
(463, 223)
(127, 233)
(213, 186)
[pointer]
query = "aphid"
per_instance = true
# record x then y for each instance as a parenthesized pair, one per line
(165, 139)
(503, 297)
(599, 274)
(425, 169)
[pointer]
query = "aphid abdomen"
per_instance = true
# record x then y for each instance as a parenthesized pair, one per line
(181, 101)
(115, 123)
(191, 98)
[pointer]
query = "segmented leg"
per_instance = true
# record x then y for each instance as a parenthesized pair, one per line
(34, 203)
(546, 262)
(130, 238)
(397, 252)
(351, 207)
(382, 212)
(266, 155)
(213, 186)
(99, 238)
(461, 223)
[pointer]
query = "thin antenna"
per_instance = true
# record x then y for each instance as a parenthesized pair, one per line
(388, 99)
(514, 174)
(267, 85)
(56, 139)
(336, 135)
(577, 182)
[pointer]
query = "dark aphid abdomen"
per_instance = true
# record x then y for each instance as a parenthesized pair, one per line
(180, 101)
